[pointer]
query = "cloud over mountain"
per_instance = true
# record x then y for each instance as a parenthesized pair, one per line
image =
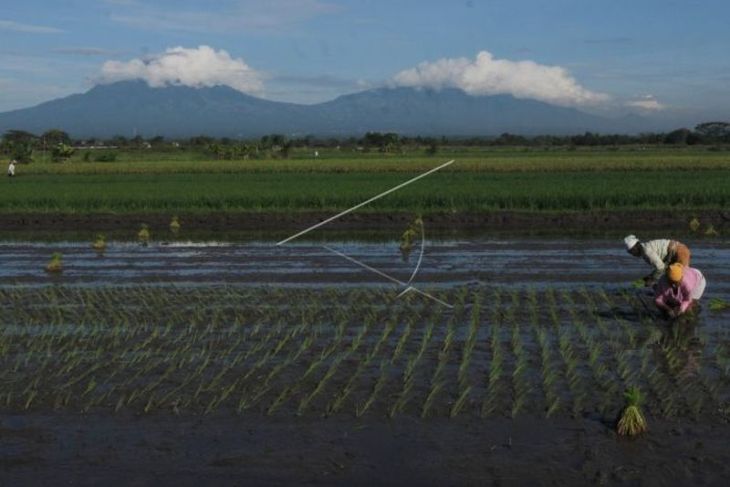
(486, 75)
(196, 67)
(648, 103)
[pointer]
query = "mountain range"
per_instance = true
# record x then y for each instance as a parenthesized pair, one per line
(132, 107)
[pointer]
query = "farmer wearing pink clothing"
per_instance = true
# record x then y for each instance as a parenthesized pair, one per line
(678, 289)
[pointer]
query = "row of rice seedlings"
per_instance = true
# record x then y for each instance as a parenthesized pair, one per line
(552, 307)
(597, 361)
(259, 365)
(350, 352)
(464, 388)
(521, 385)
(403, 340)
(248, 398)
(182, 355)
(667, 379)
(437, 382)
(470, 341)
(576, 385)
(314, 365)
(496, 367)
(628, 331)
(339, 399)
(363, 407)
(710, 387)
(408, 377)
(534, 320)
(627, 354)
(552, 375)
(306, 400)
(595, 314)
(693, 390)
(549, 373)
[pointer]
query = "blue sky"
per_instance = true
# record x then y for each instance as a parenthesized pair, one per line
(665, 57)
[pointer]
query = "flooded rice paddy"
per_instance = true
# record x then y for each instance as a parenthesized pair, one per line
(536, 327)
(187, 362)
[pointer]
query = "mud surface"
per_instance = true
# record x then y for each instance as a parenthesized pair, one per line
(42, 450)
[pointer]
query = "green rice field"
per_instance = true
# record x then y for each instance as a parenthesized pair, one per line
(287, 191)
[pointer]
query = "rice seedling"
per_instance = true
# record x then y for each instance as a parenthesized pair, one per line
(387, 331)
(29, 400)
(175, 225)
(400, 346)
(412, 232)
(403, 398)
(718, 304)
(470, 342)
(436, 387)
(694, 224)
(99, 243)
(144, 234)
(632, 421)
(696, 403)
(711, 232)
(377, 387)
(55, 265)
(460, 402)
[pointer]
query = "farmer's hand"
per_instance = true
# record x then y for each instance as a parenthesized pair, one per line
(648, 281)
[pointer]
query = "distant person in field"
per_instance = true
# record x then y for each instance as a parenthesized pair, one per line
(659, 254)
(679, 290)
(11, 169)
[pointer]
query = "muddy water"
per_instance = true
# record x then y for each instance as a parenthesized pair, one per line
(446, 263)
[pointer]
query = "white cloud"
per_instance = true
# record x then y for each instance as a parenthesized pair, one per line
(199, 67)
(648, 103)
(28, 28)
(486, 75)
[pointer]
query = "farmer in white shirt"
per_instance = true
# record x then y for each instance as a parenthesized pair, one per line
(659, 254)
(11, 169)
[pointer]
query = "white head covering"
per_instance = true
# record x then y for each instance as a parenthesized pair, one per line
(630, 241)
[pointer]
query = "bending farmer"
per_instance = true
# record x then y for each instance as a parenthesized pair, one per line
(659, 254)
(11, 169)
(679, 289)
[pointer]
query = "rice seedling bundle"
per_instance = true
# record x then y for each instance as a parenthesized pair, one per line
(632, 421)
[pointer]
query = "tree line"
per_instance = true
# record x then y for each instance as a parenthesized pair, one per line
(22, 145)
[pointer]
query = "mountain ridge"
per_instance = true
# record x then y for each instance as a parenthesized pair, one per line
(133, 107)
